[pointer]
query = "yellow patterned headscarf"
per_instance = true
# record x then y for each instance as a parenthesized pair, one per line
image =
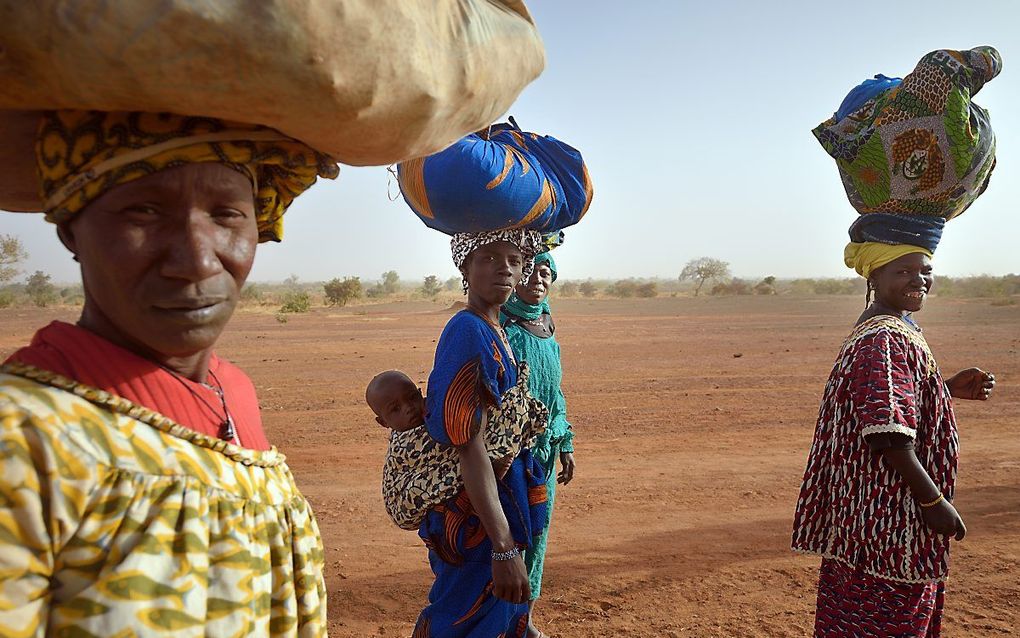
(83, 154)
(867, 256)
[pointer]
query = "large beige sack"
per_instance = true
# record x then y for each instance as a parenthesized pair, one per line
(370, 81)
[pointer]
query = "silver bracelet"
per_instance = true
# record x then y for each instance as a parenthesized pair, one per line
(507, 555)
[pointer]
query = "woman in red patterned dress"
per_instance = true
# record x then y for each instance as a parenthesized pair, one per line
(876, 502)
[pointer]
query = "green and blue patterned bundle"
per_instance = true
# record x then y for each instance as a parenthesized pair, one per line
(921, 148)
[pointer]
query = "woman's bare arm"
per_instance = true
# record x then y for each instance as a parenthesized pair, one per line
(942, 517)
(509, 577)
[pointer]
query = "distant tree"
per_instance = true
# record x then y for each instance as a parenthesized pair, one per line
(390, 281)
(431, 286)
(766, 286)
(704, 269)
(452, 284)
(388, 285)
(40, 290)
(12, 253)
(588, 289)
(340, 291)
(291, 281)
(568, 289)
(647, 290)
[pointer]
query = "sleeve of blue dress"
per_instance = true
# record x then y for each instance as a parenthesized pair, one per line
(470, 373)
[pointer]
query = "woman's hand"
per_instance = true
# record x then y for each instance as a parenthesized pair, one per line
(972, 383)
(510, 580)
(944, 519)
(566, 468)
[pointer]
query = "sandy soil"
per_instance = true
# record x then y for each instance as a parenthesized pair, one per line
(693, 421)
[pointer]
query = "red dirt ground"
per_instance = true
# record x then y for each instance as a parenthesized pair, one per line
(693, 421)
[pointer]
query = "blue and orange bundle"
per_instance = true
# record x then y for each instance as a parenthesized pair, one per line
(498, 179)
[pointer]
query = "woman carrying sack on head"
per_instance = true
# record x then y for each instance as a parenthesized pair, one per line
(476, 539)
(876, 500)
(141, 495)
(494, 192)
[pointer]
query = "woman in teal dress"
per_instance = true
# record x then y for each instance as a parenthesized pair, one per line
(530, 329)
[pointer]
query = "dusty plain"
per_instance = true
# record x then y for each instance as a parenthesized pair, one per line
(693, 421)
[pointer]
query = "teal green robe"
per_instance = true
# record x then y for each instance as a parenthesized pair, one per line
(543, 357)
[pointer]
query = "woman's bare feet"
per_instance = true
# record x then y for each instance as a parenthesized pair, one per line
(533, 632)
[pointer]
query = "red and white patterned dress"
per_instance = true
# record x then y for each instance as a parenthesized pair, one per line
(854, 509)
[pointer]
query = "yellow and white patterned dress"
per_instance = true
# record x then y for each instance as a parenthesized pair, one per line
(117, 522)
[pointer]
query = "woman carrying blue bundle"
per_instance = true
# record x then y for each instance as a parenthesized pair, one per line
(527, 318)
(497, 193)
(475, 539)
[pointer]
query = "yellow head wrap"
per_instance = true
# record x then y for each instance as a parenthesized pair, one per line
(83, 154)
(865, 257)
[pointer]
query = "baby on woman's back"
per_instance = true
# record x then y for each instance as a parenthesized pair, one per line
(419, 472)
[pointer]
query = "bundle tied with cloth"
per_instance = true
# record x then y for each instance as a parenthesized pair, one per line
(499, 179)
(912, 153)
(96, 95)
(500, 184)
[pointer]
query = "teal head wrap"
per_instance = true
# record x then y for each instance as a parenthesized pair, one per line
(520, 308)
(546, 258)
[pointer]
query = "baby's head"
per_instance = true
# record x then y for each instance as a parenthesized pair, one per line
(396, 401)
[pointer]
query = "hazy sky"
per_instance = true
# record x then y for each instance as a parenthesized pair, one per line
(695, 120)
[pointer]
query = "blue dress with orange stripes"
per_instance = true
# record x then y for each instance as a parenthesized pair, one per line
(472, 371)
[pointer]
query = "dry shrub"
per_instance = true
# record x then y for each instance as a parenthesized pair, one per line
(296, 301)
(736, 286)
(978, 286)
(568, 289)
(340, 291)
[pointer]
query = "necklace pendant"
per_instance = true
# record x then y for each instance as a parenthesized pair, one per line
(227, 430)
